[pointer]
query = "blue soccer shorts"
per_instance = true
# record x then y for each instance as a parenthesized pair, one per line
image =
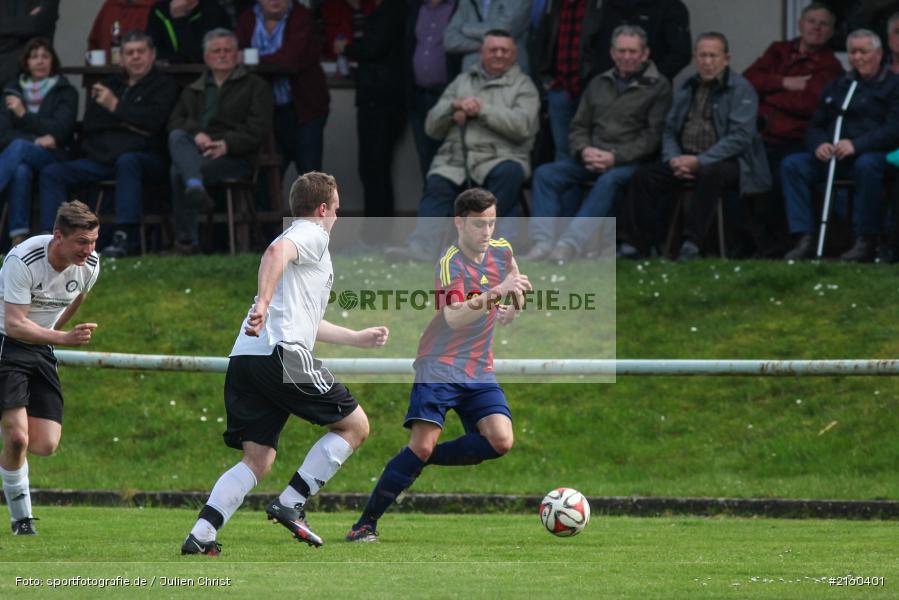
(439, 388)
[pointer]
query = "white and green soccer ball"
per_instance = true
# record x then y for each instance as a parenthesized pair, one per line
(564, 512)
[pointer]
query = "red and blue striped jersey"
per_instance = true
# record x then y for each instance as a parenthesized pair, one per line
(470, 348)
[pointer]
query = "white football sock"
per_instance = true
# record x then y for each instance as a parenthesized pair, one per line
(204, 530)
(321, 463)
(17, 492)
(226, 497)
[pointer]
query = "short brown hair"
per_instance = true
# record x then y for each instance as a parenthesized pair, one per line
(73, 216)
(473, 200)
(310, 191)
(713, 35)
(32, 45)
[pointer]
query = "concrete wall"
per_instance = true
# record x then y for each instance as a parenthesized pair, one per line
(750, 27)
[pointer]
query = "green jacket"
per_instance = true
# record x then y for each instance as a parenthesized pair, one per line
(628, 123)
(244, 116)
(504, 130)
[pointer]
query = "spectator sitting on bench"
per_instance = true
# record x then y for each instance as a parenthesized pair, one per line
(124, 140)
(215, 132)
(487, 118)
(37, 119)
(710, 140)
(618, 124)
(870, 129)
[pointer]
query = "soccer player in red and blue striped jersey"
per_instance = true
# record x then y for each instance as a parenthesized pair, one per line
(454, 366)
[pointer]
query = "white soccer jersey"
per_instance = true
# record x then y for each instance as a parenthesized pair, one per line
(300, 300)
(28, 278)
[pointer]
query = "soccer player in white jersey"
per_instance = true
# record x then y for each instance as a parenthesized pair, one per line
(273, 374)
(43, 281)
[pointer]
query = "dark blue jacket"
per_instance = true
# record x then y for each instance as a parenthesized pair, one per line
(138, 123)
(871, 121)
(734, 108)
(55, 117)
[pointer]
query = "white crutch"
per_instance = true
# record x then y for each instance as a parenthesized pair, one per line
(832, 167)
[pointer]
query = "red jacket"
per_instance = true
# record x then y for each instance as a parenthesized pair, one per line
(301, 48)
(130, 15)
(337, 18)
(784, 115)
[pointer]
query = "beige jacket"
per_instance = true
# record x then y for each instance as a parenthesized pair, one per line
(504, 130)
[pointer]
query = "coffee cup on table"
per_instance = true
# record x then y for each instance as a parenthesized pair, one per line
(251, 56)
(95, 58)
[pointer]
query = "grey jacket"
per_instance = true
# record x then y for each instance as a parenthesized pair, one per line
(734, 109)
(466, 29)
(628, 123)
(504, 130)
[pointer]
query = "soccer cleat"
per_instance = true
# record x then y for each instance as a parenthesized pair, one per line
(293, 519)
(192, 545)
(362, 533)
(24, 526)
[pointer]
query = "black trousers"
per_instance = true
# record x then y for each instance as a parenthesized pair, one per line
(378, 129)
(647, 208)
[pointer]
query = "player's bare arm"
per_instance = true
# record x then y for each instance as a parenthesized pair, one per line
(370, 337)
(20, 327)
(69, 312)
(461, 314)
(271, 268)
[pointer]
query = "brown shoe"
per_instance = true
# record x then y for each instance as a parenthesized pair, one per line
(538, 251)
(182, 249)
(864, 250)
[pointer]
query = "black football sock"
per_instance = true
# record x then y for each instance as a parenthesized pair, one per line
(470, 449)
(399, 474)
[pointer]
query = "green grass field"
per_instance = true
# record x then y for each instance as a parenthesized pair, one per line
(445, 556)
(816, 437)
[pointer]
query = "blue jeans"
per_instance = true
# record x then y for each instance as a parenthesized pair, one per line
(18, 163)
(301, 144)
(504, 181)
(129, 171)
(799, 172)
(557, 191)
(561, 107)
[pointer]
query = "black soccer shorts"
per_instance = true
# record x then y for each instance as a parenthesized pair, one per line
(261, 392)
(28, 378)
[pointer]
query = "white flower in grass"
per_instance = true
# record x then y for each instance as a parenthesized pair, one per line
(203, 418)
(187, 290)
(791, 262)
(115, 439)
(736, 269)
(171, 403)
(693, 329)
(655, 294)
(818, 286)
(717, 276)
(749, 426)
(344, 314)
(854, 305)
(549, 314)
(220, 420)
(876, 392)
(504, 342)
(798, 400)
(832, 286)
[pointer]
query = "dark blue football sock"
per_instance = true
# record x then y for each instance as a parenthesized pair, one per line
(470, 449)
(402, 470)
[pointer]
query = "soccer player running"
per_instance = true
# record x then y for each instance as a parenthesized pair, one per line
(273, 374)
(454, 366)
(43, 281)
